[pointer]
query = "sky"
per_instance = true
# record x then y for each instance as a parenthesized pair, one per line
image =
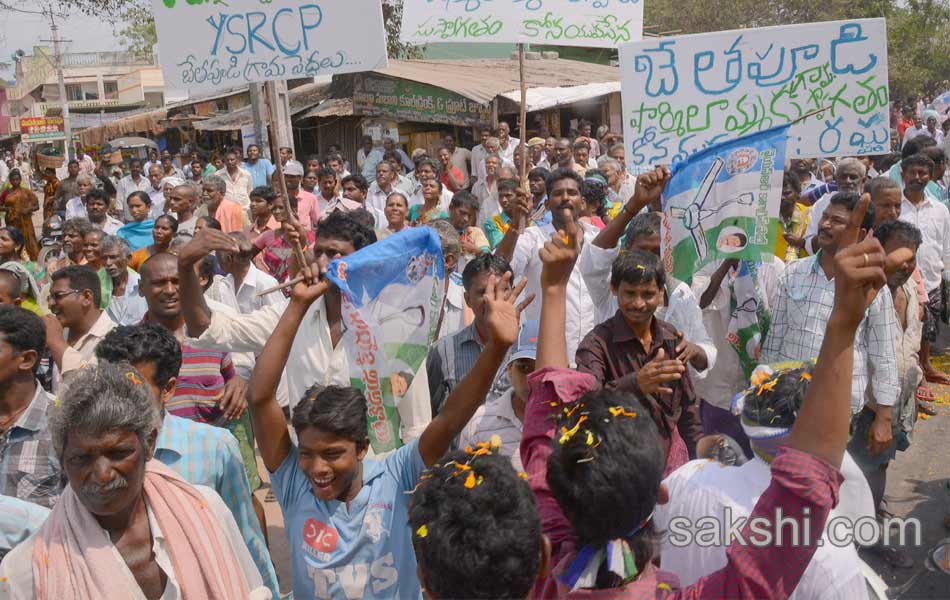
(20, 31)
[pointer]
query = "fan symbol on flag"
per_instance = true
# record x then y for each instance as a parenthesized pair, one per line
(695, 213)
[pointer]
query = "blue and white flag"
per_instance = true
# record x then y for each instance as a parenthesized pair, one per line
(723, 202)
(391, 297)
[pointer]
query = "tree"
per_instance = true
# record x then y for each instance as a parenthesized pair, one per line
(138, 36)
(392, 19)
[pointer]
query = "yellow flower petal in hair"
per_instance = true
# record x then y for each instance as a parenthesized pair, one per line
(423, 531)
(523, 475)
(131, 376)
(494, 442)
(806, 376)
(619, 411)
(470, 480)
(569, 433)
(767, 386)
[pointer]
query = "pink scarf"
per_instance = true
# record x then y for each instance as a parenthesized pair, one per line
(74, 557)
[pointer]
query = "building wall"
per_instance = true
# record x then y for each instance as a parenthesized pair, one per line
(5, 125)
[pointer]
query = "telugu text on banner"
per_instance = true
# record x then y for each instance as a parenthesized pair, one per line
(392, 294)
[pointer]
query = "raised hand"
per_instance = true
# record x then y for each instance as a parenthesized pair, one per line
(502, 314)
(650, 186)
(204, 243)
(558, 256)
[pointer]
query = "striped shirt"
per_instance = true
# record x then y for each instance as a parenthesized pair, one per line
(496, 418)
(200, 384)
(450, 359)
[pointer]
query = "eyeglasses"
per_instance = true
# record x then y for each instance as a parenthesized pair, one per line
(58, 296)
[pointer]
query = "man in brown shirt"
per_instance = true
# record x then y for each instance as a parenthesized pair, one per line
(635, 352)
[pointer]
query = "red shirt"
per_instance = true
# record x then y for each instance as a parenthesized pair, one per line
(459, 176)
(801, 484)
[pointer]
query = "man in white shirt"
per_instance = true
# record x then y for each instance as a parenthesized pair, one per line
(85, 161)
(133, 182)
(317, 356)
(238, 180)
(327, 184)
(912, 132)
(565, 202)
(366, 146)
(933, 257)
(156, 192)
(126, 305)
(383, 185)
(506, 143)
(705, 493)
(242, 280)
(77, 323)
(76, 206)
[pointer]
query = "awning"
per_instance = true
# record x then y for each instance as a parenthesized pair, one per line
(300, 99)
(331, 107)
(137, 123)
(542, 98)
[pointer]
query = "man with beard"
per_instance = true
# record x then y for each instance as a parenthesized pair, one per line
(565, 203)
(126, 526)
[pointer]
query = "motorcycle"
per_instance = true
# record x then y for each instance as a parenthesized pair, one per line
(51, 241)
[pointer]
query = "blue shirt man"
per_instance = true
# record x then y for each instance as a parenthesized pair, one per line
(360, 551)
(260, 168)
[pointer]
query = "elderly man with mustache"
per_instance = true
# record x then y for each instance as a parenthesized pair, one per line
(126, 526)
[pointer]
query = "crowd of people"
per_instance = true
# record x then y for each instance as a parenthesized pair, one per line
(570, 400)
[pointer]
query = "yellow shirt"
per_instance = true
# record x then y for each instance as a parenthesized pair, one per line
(800, 218)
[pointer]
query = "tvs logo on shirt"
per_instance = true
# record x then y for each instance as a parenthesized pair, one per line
(319, 536)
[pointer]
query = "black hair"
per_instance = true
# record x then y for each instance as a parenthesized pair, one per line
(207, 268)
(425, 160)
(880, 183)
(606, 475)
(776, 405)
(539, 173)
(507, 184)
(884, 162)
(97, 194)
(637, 266)
(340, 410)
(81, 278)
(342, 226)
(23, 330)
(559, 174)
(16, 235)
(211, 222)
(935, 153)
(358, 180)
(849, 200)
(72, 161)
(135, 160)
(476, 542)
(642, 225)
(335, 156)
(467, 198)
(595, 193)
(916, 144)
(917, 159)
(264, 191)
(791, 178)
(484, 262)
(327, 172)
(145, 343)
(363, 217)
(171, 221)
(145, 198)
(900, 230)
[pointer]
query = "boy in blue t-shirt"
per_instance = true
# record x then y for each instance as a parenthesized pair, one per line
(346, 518)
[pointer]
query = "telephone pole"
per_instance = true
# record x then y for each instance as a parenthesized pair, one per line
(64, 102)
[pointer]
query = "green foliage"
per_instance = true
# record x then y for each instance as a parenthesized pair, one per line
(918, 30)
(392, 20)
(138, 33)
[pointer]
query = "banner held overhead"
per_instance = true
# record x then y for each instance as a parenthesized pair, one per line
(600, 23)
(683, 94)
(204, 46)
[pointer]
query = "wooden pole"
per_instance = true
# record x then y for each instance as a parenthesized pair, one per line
(523, 129)
(270, 97)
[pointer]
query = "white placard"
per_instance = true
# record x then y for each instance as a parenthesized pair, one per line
(682, 94)
(210, 45)
(597, 23)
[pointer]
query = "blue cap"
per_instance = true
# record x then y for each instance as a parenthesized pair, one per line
(526, 346)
